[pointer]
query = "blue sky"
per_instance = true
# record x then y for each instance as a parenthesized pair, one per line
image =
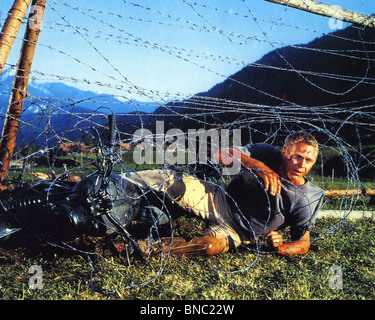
(164, 49)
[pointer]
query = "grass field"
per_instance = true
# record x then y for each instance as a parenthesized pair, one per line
(242, 275)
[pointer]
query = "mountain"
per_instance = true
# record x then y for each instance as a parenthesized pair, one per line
(333, 75)
(329, 74)
(310, 75)
(58, 110)
(69, 97)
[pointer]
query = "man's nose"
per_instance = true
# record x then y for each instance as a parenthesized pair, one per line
(301, 163)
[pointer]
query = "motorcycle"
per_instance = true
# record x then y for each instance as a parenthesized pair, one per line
(101, 204)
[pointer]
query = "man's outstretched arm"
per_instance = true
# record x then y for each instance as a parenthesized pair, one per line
(271, 179)
(300, 246)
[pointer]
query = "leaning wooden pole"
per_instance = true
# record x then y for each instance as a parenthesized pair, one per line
(10, 29)
(329, 11)
(19, 89)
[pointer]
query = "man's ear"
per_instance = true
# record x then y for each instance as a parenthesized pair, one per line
(283, 153)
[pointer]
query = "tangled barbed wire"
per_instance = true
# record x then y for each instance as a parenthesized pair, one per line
(57, 122)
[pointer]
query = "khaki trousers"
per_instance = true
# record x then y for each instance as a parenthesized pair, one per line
(206, 200)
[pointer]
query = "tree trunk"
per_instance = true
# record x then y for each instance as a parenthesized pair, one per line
(328, 11)
(19, 89)
(10, 29)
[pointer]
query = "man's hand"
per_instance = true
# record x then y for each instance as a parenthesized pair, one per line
(272, 182)
(275, 241)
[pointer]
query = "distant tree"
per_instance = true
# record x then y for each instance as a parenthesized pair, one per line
(88, 140)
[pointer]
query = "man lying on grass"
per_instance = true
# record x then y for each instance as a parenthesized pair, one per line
(269, 194)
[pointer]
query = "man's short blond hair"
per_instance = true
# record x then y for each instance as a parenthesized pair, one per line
(298, 137)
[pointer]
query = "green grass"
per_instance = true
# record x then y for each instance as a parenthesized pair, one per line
(239, 275)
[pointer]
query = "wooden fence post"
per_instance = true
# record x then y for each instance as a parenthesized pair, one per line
(10, 29)
(19, 89)
(328, 11)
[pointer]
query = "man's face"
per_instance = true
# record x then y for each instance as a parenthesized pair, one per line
(298, 161)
